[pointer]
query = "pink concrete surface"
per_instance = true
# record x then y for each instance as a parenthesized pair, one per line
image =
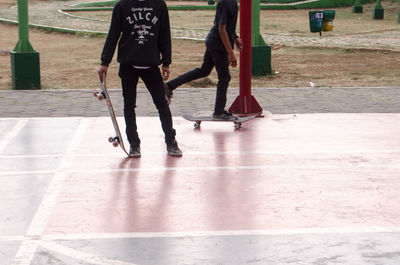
(278, 172)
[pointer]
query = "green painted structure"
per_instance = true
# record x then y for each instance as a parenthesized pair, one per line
(260, 52)
(25, 66)
(357, 8)
(378, 11)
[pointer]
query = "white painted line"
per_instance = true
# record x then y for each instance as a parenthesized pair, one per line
(37, 226)
(44, 118)
(81, 256)
(204, 168)
(292, 152)
(259, 167)
(211, 152)
(12, 133)
(38, 172)
(29, 156)
(143, 169)
(12, 238)
(25, 252)
(257, 152)
(295, 231)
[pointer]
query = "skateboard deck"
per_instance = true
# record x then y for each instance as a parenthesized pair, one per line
(198, 119)
(103, 95)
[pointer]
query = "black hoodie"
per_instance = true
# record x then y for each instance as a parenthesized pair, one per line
(146, 34)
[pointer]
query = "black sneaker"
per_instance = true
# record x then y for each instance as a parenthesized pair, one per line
(168, 93)
(134, 151)
(173, 149)
(225, 116)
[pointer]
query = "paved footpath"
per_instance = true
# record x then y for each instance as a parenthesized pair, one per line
(81, 103)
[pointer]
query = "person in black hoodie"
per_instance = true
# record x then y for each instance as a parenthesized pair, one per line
(142, 30)
(219, 54)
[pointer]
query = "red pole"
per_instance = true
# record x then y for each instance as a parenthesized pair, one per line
(245, 104)
(245, 55)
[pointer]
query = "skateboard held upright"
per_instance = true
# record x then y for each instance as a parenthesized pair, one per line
(103, 95)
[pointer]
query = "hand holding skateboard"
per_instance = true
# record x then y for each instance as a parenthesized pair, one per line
(101, 95)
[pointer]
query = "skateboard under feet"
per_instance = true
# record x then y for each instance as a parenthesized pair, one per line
(198, 119)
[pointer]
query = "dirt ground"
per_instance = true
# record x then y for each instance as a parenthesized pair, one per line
(294, 22)
(71, 62)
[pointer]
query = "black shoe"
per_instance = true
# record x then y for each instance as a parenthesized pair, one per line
(173, 149)
(168, 93)
(134, 151)
(225, 116)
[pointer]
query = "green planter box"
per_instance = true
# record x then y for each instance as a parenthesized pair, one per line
(357, 9)
(25, 70)
(377, 13)
(261, 60)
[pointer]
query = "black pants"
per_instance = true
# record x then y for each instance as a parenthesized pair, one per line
(212, 58)
(154, 83)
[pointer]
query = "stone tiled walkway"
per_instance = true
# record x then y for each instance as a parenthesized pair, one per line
(70, 103)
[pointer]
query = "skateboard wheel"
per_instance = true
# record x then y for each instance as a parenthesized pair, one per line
(96, 94)
(111, 139)
(115, 143)
(238, 125)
